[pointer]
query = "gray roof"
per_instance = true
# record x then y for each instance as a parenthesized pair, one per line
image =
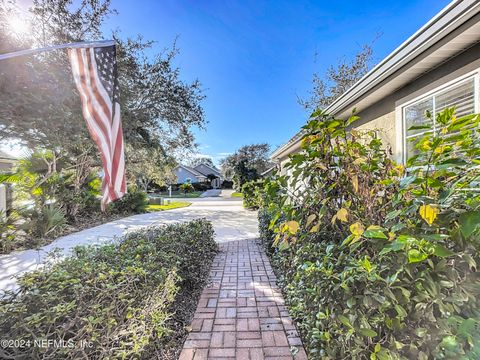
(5, 156)
(214, 169)
(192, 170)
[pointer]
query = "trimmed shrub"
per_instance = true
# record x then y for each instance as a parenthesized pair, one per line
(202, 186)
(376, 262)
(125, 300)
(134, 201)
(267, 235)
(187, 187)
(252, 194)
(227, 184)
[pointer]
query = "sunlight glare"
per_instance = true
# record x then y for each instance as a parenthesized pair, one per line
(18, 25)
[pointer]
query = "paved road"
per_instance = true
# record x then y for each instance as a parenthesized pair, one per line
(230, 220)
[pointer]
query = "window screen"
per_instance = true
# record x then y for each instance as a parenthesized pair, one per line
(462, 96)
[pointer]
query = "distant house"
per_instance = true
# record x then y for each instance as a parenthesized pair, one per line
(437, 67)
(201, 173)
(6, 162)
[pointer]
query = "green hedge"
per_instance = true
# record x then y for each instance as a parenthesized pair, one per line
(130, 299)
(134, 201)
(378, 262)
(252, 194)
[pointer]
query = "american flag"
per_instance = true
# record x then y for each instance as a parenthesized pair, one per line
(95, 73)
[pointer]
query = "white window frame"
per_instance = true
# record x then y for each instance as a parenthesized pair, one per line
(401, 129)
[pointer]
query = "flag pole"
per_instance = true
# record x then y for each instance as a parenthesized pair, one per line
(83, 44)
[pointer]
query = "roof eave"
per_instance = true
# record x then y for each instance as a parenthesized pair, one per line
(451, 17)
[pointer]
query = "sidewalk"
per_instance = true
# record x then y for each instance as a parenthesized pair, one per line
(241, 314)
(230, 220)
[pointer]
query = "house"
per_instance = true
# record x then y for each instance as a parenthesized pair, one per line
(6, 164)
(437, 67)
(201, 173)
(269, 172)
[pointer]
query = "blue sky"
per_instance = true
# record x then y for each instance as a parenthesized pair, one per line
(255, 57)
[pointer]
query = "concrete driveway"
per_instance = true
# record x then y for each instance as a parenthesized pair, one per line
(211, 193)
(230, 220)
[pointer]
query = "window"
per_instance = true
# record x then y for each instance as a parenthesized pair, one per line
(462, 95)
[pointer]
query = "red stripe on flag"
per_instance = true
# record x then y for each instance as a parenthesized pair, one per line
(106, 132)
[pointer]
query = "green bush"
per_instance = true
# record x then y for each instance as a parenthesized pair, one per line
(376, 263)
(48, 220)
(187, 187)
(129, 299)
(267, 235)
(134, 201)
(252, 194)
(8, 231)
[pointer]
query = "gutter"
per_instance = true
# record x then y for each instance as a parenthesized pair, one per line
(451, 17)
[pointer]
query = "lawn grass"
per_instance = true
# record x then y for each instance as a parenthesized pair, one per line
(180, 194)
(172, 205)
(237, 195)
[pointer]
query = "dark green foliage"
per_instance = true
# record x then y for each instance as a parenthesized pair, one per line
(243, 174)
(187, 187)
(267, 235)
(128, 298)
(252, 194)
(246, 164)
(8, 231)
(134, 201)
(201, 186)
(227, 184)
(376, 264)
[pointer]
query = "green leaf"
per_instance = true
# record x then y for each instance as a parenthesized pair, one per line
(348, 239)
(449, 342)
(442, 251)
(469, 222)
(421, 332)
(321, 315)
(366, 264)
(375, 232)
(383, 354)
(407, 180)
(419, 127)
(467, 327)
(400, 311)
(368, 332)
(416, 256)
(344, 320)
(351, 302)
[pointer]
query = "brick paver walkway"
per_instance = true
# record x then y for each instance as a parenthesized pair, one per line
(241, 314)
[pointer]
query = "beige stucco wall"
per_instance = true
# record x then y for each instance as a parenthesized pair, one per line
(385, 128)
